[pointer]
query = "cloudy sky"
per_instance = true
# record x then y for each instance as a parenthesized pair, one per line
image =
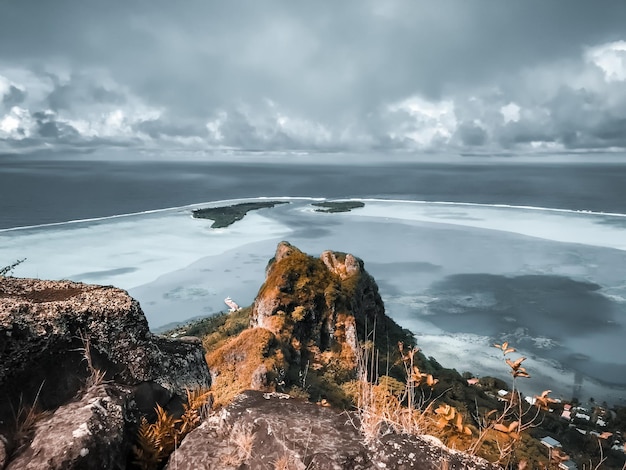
(458, 76)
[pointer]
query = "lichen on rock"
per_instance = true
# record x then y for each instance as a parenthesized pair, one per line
(59, 337)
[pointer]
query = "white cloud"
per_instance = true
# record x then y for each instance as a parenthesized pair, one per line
(16, 124)
(428, 121)
(510, 112)
(610, 58)
(578, 102)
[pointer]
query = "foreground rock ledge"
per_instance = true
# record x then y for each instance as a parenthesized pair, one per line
(272, 430)
(46, 328)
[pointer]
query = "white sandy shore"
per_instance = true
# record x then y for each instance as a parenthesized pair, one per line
(179, 268)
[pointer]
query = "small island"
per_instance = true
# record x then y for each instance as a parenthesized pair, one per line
(337, 206)
(228, 215)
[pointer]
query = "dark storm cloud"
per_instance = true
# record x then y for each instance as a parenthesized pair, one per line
(49, 129)
(79, 90)
(157, 128)
(309, 75)
(471, 134)
(13, 97)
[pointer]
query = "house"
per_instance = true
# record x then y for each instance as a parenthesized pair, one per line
(619, 447)
(550, 442)
(567, 414)
(232, 306)
(473, 381)
(568, 465)
(504, 395)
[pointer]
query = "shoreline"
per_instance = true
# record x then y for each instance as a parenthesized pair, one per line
(219, 202)
(178, 269)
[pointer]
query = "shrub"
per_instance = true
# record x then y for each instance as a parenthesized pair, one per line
(156, 441)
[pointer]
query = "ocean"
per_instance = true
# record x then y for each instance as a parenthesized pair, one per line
(466, 252)
(38, 191)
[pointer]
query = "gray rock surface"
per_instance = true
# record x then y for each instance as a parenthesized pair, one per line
(3, 451)
(53, 337)
(270, 430)
(42, 318)
(86, 433)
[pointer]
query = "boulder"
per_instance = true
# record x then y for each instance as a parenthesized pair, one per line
(40, 319)
(261, 430)
(273, 430)
(59, 337)
(85, 433)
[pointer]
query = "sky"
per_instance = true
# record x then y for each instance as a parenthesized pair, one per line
(479, 77)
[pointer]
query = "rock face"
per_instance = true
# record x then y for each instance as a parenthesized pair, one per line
(317, 301)
(53, 338)
(271, 430)
(87, 433)
(306, 321)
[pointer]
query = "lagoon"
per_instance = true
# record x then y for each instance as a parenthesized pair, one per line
(460, 276)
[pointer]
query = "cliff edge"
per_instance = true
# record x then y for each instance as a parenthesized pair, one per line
(78, 366)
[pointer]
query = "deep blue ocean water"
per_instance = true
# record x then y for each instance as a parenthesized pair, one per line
(41, 191)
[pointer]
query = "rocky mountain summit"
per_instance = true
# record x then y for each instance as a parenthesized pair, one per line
(81, 376)
(305, 324)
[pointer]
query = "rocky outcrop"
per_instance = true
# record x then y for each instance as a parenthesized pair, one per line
(318, 303)
(306, 323)
(57, 339)
(86, 433)
(41, 319)
(272, 430)
(78, 367)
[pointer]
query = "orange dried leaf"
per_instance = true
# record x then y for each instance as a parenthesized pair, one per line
(501, 428)
(515, 364)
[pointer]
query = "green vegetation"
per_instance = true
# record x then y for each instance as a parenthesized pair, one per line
(337, 206)
(228, 215)
(216, 330)
(227, 324)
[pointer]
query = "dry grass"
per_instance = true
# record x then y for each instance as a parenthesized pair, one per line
(242, 438)
(96, 376)
(386, 405)
(26, 418)
(241, 443)
(240, 358)
(287, 462)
